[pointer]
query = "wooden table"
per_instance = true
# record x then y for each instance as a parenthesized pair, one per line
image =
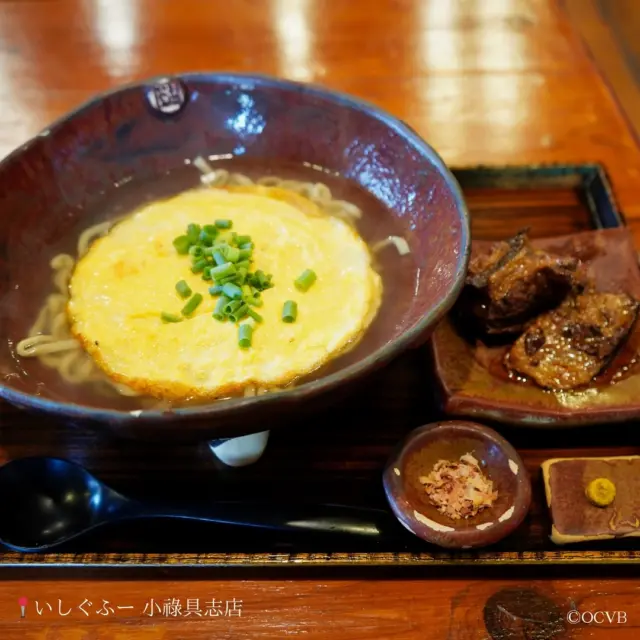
(485, 81)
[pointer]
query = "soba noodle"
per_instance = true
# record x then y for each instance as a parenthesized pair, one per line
(50, 339)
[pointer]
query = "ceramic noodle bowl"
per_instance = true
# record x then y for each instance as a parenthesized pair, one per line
(136, 145)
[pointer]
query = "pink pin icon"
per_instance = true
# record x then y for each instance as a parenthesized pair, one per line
(23, 606)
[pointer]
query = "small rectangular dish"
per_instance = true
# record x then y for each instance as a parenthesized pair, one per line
(475, 383)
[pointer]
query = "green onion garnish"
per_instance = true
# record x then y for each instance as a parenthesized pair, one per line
(193, 233)
(199, 265)
(305, 280)
(232, 254)
(245, 331)
(192, 305)
(206, 239)
(233, 277)
(232, 291)
(223, 270)
(218, 258)
(219, 311)
(232, 305)
(170, 317)
(225, 256)
(289, 311)
(238, 313)
(183, 289)
(182, 244)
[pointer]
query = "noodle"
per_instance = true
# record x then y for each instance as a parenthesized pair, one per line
(317, 192)
(50, 339)
(399, 243)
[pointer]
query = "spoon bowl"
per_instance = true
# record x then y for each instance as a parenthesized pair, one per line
(49, 501)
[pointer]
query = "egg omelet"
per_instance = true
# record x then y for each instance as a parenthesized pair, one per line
(120, 287)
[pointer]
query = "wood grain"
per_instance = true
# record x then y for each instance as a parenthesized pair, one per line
(608, 28)
(408, 610)
(493, 82)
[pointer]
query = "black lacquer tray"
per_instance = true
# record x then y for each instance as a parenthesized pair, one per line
(338, 456)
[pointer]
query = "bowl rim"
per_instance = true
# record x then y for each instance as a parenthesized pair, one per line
(394, 486)
(308, 389)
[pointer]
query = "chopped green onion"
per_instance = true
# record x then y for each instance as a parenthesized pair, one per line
(261, 280)
(243, 264)
(242, 277)
(211, 230)
(234, 278)
(246, 246)
(182, 244)
(255, 302)
(305, 280)
(218, 258)
(231, 306)
(206, 239)
(193, 233)
(223, 270)
(232, 291)
(245, 331)
(206, 273)
(289, 311)
(238, 313)
(219, 311)
(245, 254)
(192, 305)
(232, 254)
(246, 292)
(170, 317)
(223, 224)
(252, 314)
(199, 265)
(183, 289)
(196, 251)
(216, 290)
(242, 240)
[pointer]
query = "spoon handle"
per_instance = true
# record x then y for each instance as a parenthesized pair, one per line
(374, 524)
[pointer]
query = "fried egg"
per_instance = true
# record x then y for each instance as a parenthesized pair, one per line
(120, 287)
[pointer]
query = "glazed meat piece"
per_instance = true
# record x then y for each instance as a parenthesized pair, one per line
(565, 348)
(513, 283)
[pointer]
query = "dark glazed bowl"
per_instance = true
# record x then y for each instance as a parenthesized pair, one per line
(52, 187)
(417, 455)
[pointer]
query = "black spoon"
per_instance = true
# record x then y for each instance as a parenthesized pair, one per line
(49, 501)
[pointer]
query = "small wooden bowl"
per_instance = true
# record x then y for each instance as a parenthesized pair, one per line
(417, 455)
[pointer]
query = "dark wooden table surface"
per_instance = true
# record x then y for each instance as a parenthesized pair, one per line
(485, 81)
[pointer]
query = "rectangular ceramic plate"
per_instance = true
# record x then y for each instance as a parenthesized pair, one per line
(474, 382)
(338, 456)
